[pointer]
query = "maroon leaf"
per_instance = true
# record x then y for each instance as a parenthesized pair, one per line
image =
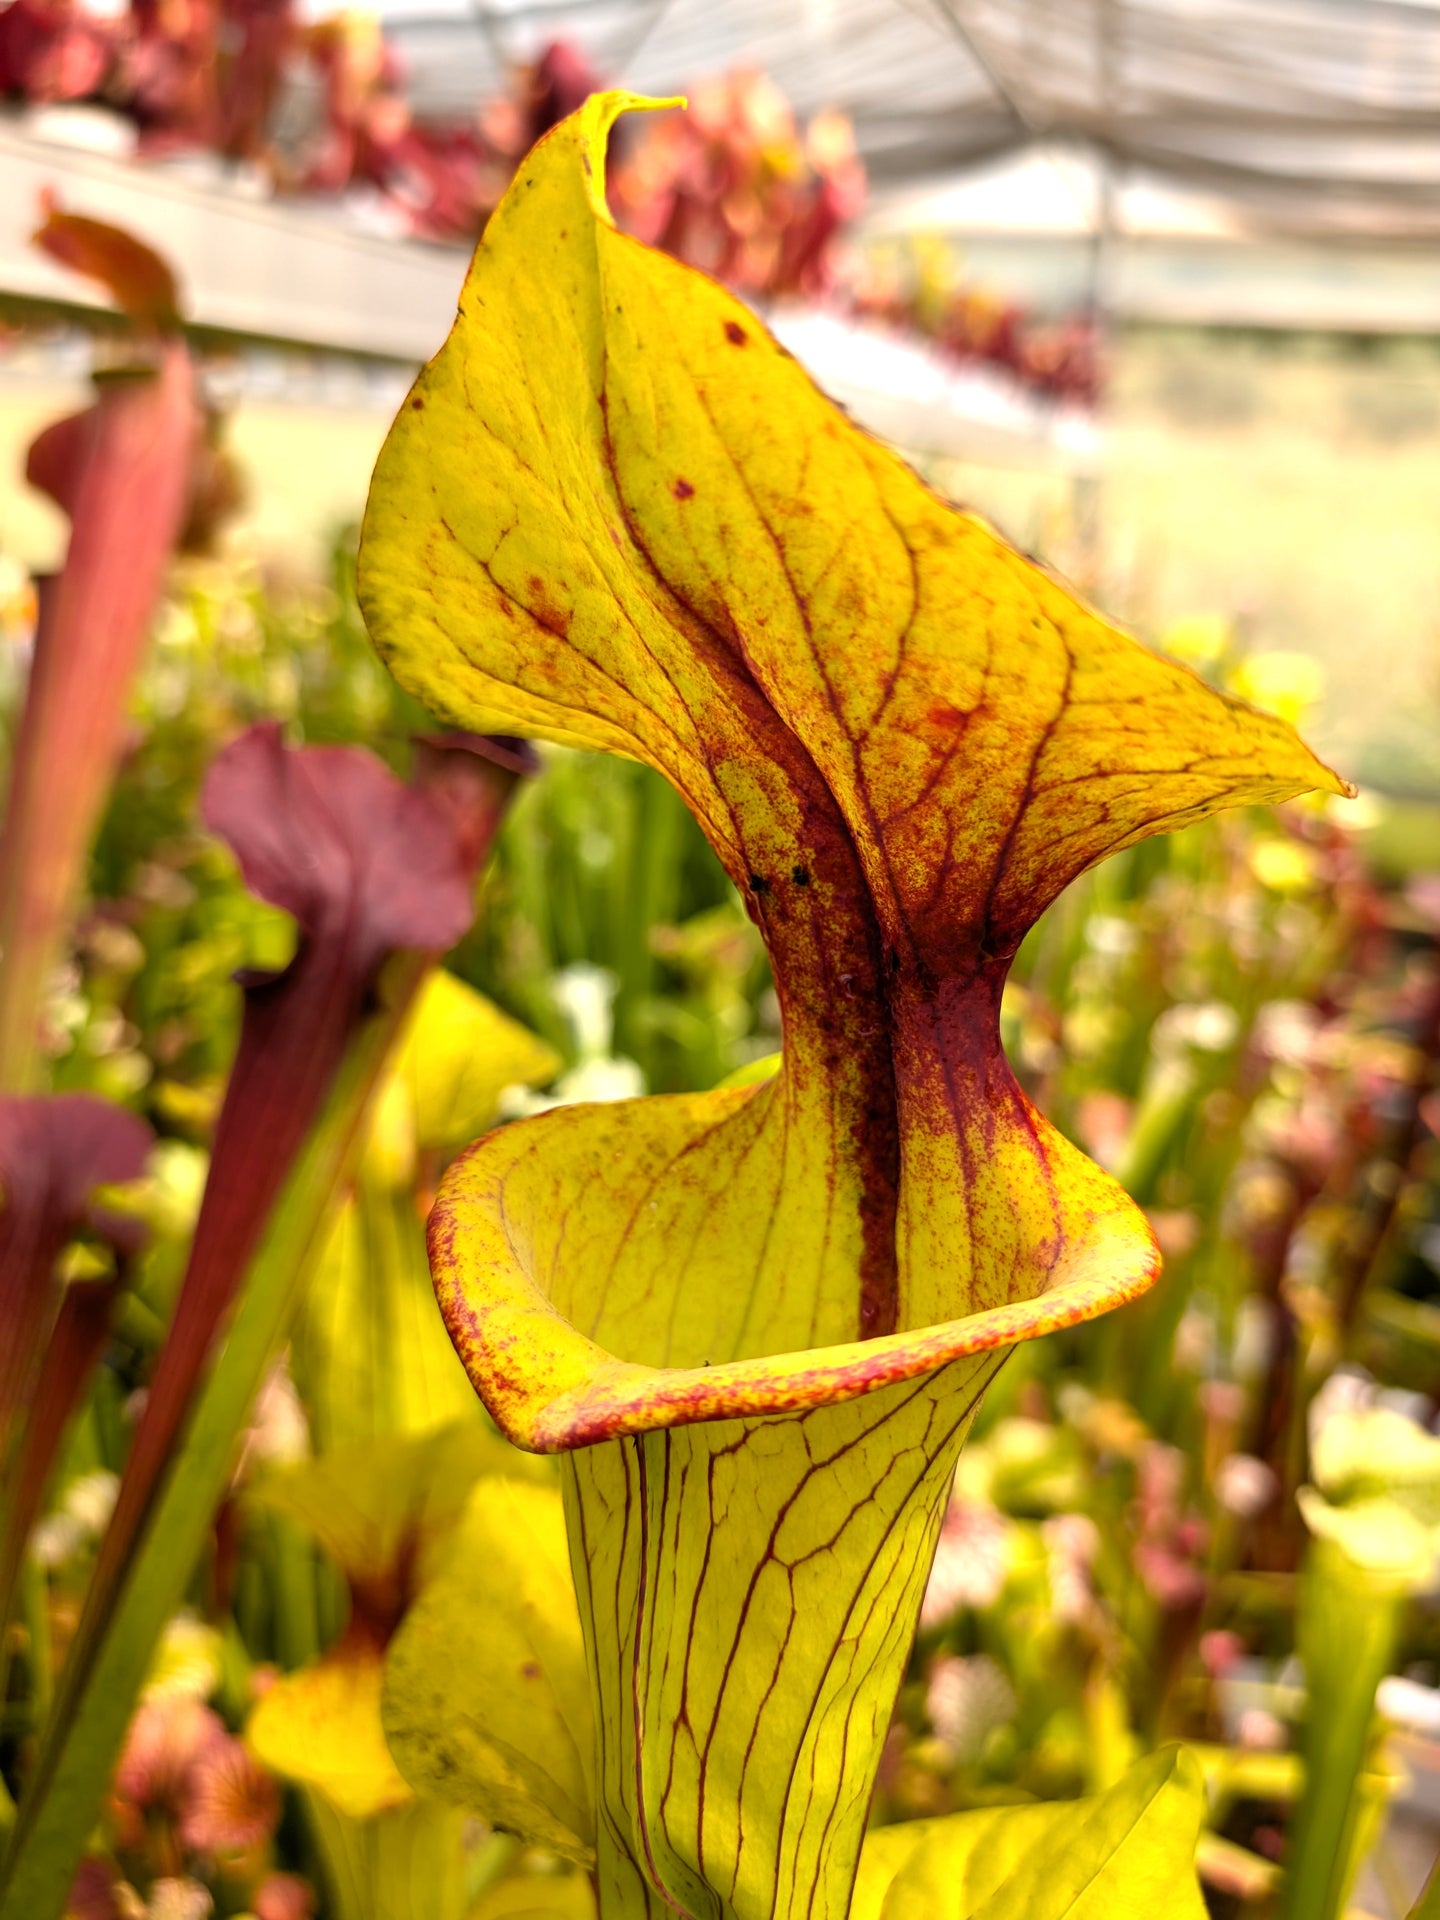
(95, 1894)
(255, 37)
(72, 1352)
(330, 835)
(137, 279)
(471, 776)
(368, 866)
(121, 471)
(54, 1153)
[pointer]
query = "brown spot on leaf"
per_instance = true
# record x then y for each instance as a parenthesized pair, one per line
(542, 608)
(735, 333)
(417, 403)
(683, 490)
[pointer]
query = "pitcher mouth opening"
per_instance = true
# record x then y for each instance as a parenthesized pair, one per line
(551, 1389)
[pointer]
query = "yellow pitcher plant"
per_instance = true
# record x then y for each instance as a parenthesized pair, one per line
(758, 1322)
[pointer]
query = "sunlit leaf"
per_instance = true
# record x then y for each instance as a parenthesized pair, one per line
(486, 1702)
(369, 1349)
(1382, 1536)
(371, 1353)
(457, 1056)
(614, 513)
(537, 1898)
(407, 1863)
(1128, 1854)
(321, 1728)
(381, 1508)
(387, 1512)
(887, 1850)
(1378, 1453)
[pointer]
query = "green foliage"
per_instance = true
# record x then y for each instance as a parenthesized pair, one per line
(1123, 1855)
(537, 1897)
(601, 864)
(486, 1704)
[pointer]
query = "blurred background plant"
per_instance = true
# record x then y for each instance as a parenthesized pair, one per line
(1212, 1517)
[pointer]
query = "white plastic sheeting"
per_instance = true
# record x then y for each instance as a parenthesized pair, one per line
(1320, 116)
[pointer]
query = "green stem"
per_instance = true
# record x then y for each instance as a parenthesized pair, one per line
(109, 1661)
(1347, 1632)
(297, 1626)
(35, 1591)
(405, 1864)
(490, 1863)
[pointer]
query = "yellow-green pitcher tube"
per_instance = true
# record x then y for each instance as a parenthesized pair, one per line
(749, 1591)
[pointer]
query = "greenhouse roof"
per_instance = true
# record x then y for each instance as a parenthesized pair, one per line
(1318, 116)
